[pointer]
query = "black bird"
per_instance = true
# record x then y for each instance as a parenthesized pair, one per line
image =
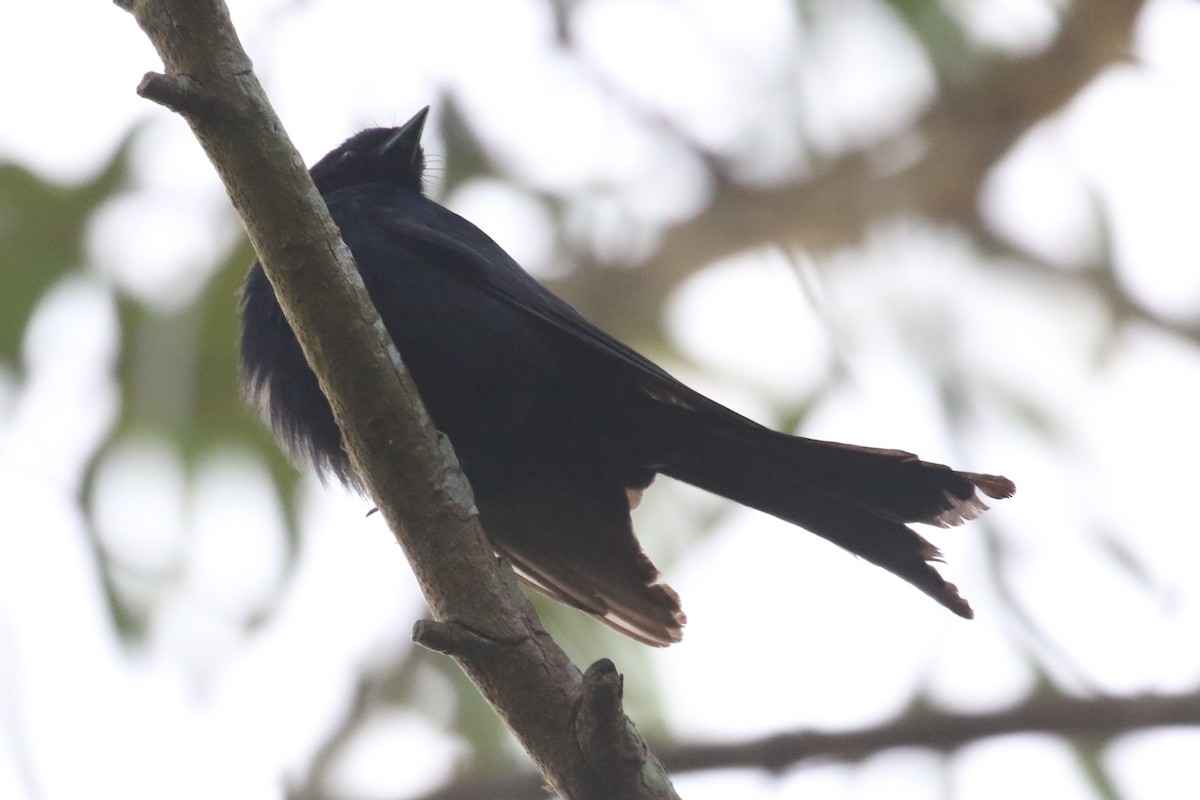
(559, 426)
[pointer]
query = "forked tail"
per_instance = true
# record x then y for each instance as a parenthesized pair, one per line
(860, 498)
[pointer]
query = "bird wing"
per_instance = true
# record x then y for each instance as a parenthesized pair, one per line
(458, 245)
(576, 544)
(572, 540)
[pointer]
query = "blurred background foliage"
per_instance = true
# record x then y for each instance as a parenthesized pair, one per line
(908, 173)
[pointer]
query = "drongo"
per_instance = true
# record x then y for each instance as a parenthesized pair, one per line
(559, 426)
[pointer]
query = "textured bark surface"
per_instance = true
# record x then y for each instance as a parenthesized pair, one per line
(483, 620)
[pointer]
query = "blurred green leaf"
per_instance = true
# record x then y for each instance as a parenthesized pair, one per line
(953, 55)
(464, 157)
(42, 226)
(1089, 754)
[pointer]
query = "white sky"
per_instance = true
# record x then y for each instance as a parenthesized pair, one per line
(201, 711)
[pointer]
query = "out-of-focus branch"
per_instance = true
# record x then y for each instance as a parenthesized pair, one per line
(1091, 719)
(1099, 276)
(1126, 308)
(964, 134)
(483, 620)
(1094, 720)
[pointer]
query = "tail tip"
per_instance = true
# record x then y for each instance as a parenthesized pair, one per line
(958, 510)
(996, 487)
(951, 599)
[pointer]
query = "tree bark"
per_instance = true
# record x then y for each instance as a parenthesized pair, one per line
(573, 726)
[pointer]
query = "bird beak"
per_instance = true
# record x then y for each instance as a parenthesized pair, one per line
(407, 137)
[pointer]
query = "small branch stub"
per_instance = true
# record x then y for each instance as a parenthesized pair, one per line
(179, 93)
(453, 639)
(607, 739)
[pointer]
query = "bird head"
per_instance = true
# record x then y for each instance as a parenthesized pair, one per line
(375, 155)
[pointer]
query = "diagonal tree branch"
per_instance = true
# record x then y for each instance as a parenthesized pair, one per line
(573, 727)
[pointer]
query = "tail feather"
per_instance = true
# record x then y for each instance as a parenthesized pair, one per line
(859, 498)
